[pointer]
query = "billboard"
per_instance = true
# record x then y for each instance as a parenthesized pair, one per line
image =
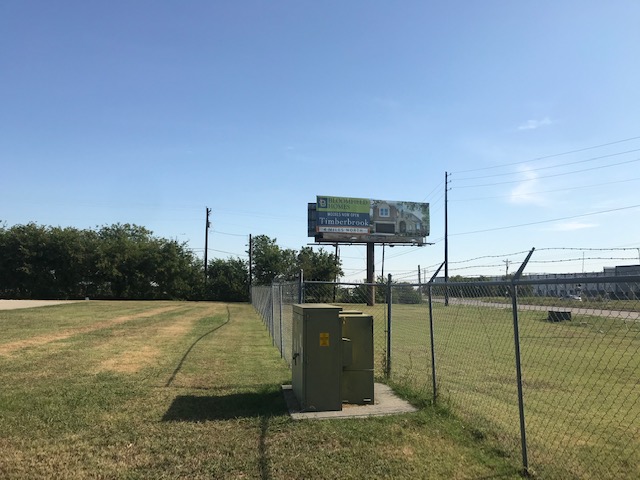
(365, 220)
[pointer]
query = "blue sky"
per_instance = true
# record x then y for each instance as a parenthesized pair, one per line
(147, 112)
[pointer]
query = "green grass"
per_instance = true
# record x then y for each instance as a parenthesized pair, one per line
(580, 381)
(191, 390)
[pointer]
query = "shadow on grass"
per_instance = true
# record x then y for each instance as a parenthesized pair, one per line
(191, 408)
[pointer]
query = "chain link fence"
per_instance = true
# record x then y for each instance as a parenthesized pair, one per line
(549, 372)
(274, 304)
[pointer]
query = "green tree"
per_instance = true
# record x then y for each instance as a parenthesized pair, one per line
(24, 273)
(228, 280)
(124, 261)
(271, 261)
(177, 273)
(318, 265)
(121, 261)
(405, 293)
(71, 255)
(134, 264)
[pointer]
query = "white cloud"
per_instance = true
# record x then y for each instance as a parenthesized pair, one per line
(533, 124)
(525, 192)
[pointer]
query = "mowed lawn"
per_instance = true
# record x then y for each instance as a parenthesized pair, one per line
(192, 390)
(581, 381)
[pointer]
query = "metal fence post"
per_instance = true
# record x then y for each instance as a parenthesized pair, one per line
(280, 329)
(433, 351)
(431, 335)
(389, 302)
(516, 342)
(301, 287)
(272, 326)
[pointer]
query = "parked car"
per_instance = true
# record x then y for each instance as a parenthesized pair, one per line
(573, 297)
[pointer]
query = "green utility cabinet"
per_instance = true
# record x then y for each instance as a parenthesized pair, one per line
(357, 371)
(317, 356)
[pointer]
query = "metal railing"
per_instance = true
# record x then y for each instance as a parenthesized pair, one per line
(554, 381)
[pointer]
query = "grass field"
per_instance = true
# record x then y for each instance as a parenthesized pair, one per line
(581, 381)
(191, 390)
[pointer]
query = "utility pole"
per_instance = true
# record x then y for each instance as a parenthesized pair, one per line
(507, 262)
(206, 244)
(420, 283)
(250, 263)
(446, 239)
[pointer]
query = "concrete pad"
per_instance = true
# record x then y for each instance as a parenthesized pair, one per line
(386, 403)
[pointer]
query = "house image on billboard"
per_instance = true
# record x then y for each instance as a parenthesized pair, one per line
(390, 218)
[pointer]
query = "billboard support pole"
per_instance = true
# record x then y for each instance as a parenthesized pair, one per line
(371, 289)
(206, 248)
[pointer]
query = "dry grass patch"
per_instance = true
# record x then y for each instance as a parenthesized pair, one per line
(9, 348)
(128, 350)
(131, 361)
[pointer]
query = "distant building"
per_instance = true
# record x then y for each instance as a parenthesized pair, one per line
(565, 284)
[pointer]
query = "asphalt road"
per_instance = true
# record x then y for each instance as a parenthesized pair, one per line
(626, 315)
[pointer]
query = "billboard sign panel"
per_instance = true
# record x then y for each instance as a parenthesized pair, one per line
(343, 215)
(363, 220)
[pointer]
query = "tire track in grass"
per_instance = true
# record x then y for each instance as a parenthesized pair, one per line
(9, 348)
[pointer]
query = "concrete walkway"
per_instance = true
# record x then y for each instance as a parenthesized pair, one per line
(15, 304)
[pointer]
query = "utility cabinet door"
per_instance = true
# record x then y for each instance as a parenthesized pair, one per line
(357, 377)
(323, 360)
(359, 328)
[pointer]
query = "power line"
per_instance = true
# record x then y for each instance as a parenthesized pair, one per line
(550, 176)
(409, 250)
(440, 239)
(545, 191)
(230, 253)
(552, 166)
(430, 193)
(230, 234)
(547, 221)
(550, 156)
(576, 259)
(434, 202)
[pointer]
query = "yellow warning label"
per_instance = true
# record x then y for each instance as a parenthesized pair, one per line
(324, 339)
